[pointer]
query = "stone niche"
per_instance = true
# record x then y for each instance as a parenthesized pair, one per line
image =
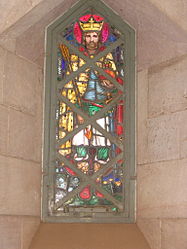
(161, 31)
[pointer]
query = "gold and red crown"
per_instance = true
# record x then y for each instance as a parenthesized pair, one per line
(91, 25)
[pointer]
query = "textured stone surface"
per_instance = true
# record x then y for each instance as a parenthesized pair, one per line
(163, 138)
(13, 10)
(89, 236)
(174, 234)
(184, 148)
(19, 187)
(21, 79)
(3, 129)
(161, 189)
(29, 226)
(158, 37)
(17, 231)
(168, 87)
(183, 134)
(142, 94)
(151, 228)
(43, 14)
(10, 231)
(39, 116)
(2, 65)
(176, 10)
(25, 136)
(31, 43)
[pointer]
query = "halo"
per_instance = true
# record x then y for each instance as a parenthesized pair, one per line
(78, 32)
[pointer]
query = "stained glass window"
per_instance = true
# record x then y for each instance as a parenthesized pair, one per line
(87, 106)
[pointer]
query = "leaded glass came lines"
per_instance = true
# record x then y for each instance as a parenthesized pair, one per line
(89, 150)
(88, 117)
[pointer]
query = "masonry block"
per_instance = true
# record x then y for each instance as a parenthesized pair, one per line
(24, 136)
(14, 10)
(39, 117)
(29, 226)
(142, 94)
(2, 65)
(88, 236)
(20, 84)
(30, 44)
(174, 233)
(163, 138)
(20, 187)
(168, 87)
(17, 231)
(151, 229)
(3, 129)
(183, 134)
(162, 190)
(10, 230)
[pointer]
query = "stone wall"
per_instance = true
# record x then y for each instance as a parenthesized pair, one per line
(162, 154)
(20, 149)
(161, 115)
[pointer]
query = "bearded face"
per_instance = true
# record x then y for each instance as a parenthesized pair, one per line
(91, 40)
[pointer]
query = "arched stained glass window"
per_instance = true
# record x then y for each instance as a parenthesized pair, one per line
(89, 117)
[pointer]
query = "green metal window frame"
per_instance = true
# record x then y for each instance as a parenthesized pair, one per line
(51, 86)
